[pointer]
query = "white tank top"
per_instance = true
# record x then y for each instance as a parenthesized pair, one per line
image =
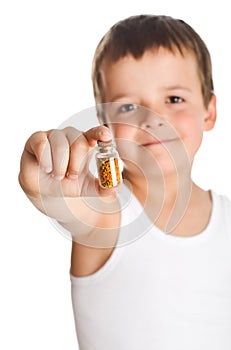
(160, 292)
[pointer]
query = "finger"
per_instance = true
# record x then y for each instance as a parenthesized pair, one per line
(79, 152)
(60, 153)
(81, 147)
(101, 133)
(38, 146)
(78, 149)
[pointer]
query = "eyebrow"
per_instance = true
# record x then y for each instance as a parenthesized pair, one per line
(164, 88)
(176, 87)
(121, 96)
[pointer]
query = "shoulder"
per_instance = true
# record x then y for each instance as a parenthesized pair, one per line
(221, 199)
(222, 206)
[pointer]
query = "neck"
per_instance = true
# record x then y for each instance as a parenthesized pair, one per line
(164, 197)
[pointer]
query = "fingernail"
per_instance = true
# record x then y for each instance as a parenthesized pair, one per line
(58, 177)
(106, 133)
(48, 170)
(72, 176)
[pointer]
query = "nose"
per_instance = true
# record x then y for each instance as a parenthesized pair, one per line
(151, 120)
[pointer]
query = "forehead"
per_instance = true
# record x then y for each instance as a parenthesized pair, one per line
(150, 56)
(159, 67)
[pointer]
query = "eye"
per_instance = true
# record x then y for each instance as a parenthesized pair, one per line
(128, 107)
(174, 99)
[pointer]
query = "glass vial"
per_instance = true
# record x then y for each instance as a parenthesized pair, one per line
(108, 165)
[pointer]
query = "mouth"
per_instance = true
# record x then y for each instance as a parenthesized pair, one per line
(157, 142)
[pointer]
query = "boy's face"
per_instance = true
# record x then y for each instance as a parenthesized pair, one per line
(168, 85)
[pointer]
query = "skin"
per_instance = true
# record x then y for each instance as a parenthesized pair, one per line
(55, 177)
(167, 84)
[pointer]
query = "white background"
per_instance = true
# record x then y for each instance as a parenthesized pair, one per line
(46, 52)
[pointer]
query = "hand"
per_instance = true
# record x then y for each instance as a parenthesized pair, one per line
(55, 164)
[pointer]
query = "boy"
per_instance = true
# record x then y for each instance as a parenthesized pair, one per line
(168, 285)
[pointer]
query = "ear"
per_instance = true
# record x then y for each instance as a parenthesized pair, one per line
(211, 115)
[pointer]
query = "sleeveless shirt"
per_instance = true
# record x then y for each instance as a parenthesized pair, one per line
(158, 291)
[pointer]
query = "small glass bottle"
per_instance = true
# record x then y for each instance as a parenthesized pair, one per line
(108, 165)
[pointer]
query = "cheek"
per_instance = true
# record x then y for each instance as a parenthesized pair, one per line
(188, 122)
(126, 143)
(124, 132)
(190, 129)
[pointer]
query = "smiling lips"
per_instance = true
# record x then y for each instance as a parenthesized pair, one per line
(156, 142)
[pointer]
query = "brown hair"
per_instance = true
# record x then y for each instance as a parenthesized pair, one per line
(137, 34)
